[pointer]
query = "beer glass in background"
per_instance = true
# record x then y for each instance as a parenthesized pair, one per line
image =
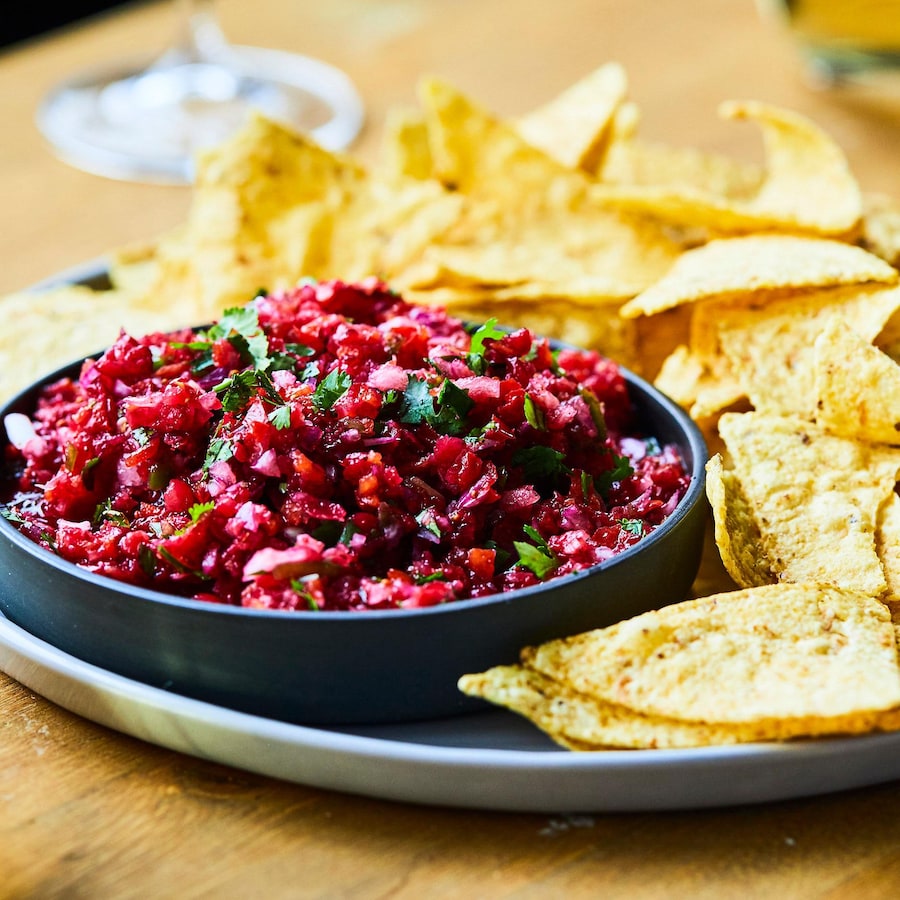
(842, 42)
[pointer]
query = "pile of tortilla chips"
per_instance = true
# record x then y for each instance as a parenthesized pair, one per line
(557, 219)
(763, 298)
(769, 663)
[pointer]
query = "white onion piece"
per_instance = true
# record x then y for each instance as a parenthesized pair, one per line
(19, 429)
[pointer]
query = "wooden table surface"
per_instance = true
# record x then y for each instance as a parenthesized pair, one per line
(88, 812)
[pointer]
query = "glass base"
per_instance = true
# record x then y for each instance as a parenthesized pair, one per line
(147, 124)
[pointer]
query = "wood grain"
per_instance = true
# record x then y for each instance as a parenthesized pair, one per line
(87, 812)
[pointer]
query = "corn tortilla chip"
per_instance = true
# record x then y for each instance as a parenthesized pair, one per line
(771, 347)
(630, 160)
(808, 186)
(780, 652)
(574, 127)
(856, 385)
(737, 533)
(815, 497)
(743, 265)
(47, 329)
(405, 151)
(578, 721)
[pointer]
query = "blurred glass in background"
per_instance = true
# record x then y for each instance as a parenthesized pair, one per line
(842, 41)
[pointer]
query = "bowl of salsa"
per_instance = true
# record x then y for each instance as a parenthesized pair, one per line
(330, 503)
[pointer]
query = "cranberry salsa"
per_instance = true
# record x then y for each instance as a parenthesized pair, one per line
(334, 447)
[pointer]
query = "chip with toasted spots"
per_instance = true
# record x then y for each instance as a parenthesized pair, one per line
(741, 266)
(793, 656)
(814, 496)
(59, 325)
(857, 387)
(770, 346)
(578, 721)
(737, 532)
(807, 187)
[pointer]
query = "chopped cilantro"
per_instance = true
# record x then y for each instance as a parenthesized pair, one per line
(425, 579)
(349, 530)
(11, 515)
(540, 463)
(220, 450)
(331, 388)
(487, 331)
(534, 415)
(417, 402)
(105, 513)
(632, 526)
(142, 435)
(198, 509)
(301, 589)
(475, 357)
(621, 470)
(446, 412)
(427, 521)
(180, 566)
(537, 557)
(596, 408)
(147, 559)
(281, 417)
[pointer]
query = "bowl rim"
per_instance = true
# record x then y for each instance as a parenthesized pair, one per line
(95, 272)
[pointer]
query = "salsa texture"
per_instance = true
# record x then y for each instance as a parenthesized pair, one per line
(334, 447)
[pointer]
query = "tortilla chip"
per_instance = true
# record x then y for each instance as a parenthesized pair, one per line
(573, 128)
(887, 544)
(527, 217)
(783, 653)
(815, 497)
(770, 346)
(48, 329)
(580, 722)
(807, 188)
(482, 156)
(405, 151)
(737, 533)
(880, 227)
(630, 160)
(857, 386)
(743, 265)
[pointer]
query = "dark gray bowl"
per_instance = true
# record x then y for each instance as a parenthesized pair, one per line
(346, 667)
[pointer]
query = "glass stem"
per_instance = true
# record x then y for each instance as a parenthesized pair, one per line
(200, 37)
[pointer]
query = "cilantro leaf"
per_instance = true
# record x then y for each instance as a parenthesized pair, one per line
(331, 388)
(475, 357)
(445, 412)
(540, 463)
(453, 405)
(621, 470)
(281, 417)
(417, 404)
(534, 415)
(220, 449)
(536, 559)
(488, 331)
(198, 509)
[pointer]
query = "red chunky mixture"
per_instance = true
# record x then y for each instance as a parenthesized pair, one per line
(335, 447)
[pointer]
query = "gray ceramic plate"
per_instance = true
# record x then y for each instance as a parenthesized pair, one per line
(492, 761)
